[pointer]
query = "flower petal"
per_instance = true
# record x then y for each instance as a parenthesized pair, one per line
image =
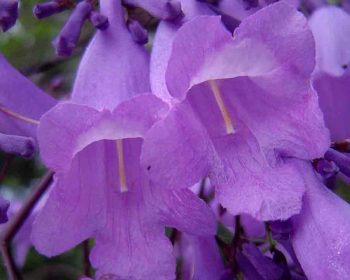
(21, 102)
(162, 45)
(334, 99)
(77, 126)
(114, 68)
(185, 211)
(133, 245)
(321, 236)
(185, 148)
(253, 51)
(75, 207)
(249, 184)
(201, 258)
(331, 29)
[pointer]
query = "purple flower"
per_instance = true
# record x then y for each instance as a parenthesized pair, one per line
(100, 190)
(331, 29)
(234, 117)
(200, 258)
(321, 232)
(8, 14)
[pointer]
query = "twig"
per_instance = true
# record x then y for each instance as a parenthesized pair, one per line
(86, 260)
(17, 222)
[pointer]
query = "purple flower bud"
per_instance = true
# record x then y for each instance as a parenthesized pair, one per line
(281, 230)
(341, 160)
(327, 169)
(18, 145)
(250, 4)
(8, 14)
(4, 206)
(172, 10)
(68, 38)
(47, 9)
(253, 262)
(98, 20)
(138, 33)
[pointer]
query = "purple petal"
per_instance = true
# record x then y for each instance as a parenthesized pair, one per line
(179, 131)
(201, 258)
(77, 126)
(252, 227)
(331, 29)
(263, 265)
(112, 53)
(75, 207)
(162, 46)
(21, 102)
(248, 183)
(132, 247)
(184, 211)
(334, 99)
(321, 236)
(265, 53)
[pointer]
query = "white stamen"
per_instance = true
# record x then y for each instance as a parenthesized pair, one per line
(122, 178)
(18, 116)
(225, 115)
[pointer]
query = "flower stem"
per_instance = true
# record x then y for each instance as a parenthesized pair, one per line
(17, 222)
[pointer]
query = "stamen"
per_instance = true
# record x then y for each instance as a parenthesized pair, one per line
(18, 116)
(122, 178)
(225, 115)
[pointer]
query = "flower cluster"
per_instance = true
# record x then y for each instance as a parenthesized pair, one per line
(235, 121)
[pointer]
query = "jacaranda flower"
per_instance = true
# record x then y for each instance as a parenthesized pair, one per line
(93, 143)
(239, 107)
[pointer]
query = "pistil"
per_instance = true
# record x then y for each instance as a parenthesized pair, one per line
(18, 116)
(122, 177)
(220, 102)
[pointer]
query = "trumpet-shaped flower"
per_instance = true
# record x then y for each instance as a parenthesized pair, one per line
(93, 143)
(239, 107)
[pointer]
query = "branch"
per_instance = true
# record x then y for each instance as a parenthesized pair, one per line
(17, 222)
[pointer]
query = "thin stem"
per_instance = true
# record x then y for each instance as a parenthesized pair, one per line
(86, 260)
(271, 241)
(17, 222)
